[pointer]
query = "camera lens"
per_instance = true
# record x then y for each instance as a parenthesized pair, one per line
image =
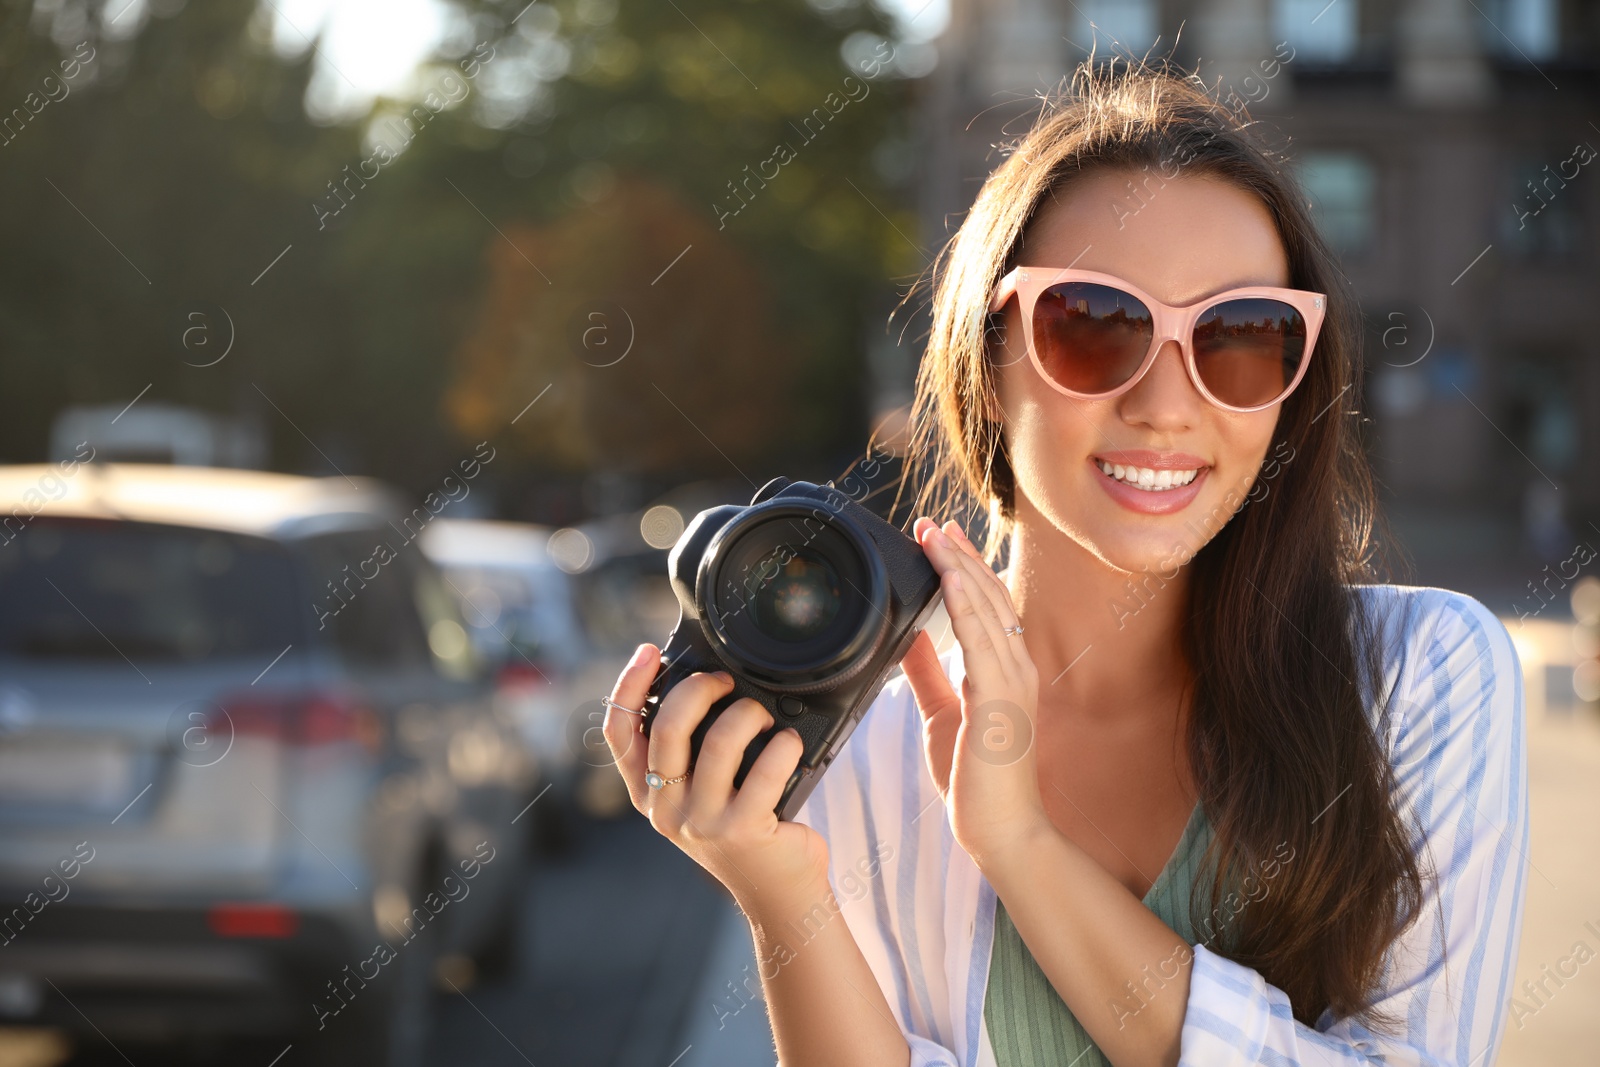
(799, 599)
(794, 594)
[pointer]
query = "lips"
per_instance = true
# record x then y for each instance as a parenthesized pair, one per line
(1148, 482)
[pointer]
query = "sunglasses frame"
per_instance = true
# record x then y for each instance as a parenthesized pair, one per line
(1170, 324)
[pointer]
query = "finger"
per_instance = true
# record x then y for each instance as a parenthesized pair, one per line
(984, 662)
(946, 547)
(987, 581)
(1015, 644)
(983, 616)
(621, 730)
(958, 536)
(940, 706)
(721, 752)
(930, 685)
(996, 589)
(681, 711)
(758, 796)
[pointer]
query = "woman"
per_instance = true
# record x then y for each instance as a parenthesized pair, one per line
(1186, 790)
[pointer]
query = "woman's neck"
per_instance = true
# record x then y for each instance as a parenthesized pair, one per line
(1105, 642)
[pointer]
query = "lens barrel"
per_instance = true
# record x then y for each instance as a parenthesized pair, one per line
(794, 594)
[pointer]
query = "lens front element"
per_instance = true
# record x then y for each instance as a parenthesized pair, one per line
(795, 595)
(799, 598)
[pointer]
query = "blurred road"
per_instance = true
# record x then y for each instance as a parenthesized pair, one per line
(1561, 922)
(616, 942)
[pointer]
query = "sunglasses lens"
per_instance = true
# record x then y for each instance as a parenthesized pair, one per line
(1248, 351)
(1090, 338)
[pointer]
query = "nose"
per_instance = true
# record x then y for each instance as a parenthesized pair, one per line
(1165, 399)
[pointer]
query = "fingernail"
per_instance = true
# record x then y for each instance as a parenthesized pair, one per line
(955, 580)
(725, 676)
(640, 654)
(941, 537)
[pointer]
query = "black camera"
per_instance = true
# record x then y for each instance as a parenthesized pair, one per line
(808, 600)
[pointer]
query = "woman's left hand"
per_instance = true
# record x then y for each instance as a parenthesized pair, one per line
(980, 745)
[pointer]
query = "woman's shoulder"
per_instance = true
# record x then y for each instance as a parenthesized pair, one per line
(1416, 603)
(1451, 674)
(1418, 625)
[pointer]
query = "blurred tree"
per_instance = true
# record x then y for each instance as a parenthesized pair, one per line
(631, 378)
(584, 136)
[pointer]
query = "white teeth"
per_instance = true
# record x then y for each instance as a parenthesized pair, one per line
(1147, 478)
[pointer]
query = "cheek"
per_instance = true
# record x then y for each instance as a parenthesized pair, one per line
(1048, 434)
(1244, 444)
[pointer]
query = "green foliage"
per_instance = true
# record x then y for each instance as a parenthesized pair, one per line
(186, 147)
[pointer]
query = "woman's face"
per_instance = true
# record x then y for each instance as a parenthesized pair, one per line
(1193, 237)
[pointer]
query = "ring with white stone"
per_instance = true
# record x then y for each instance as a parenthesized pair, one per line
(1012, 631)
(655, 781)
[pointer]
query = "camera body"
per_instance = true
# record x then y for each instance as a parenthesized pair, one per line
(809, 601)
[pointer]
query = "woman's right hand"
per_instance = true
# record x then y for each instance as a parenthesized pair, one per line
(766, 863)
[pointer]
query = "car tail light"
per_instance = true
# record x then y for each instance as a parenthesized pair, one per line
(519, 673)
(252, 920)
(304, 719)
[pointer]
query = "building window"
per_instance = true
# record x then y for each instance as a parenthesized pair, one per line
(1342, 187)
(1541, 217)
(1319, 31)
(1521, 30)
(1107, 24)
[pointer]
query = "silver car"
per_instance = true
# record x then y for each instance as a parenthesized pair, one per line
(251, 779)
(521, 610)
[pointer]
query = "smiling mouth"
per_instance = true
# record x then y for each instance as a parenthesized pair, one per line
(1148, 478)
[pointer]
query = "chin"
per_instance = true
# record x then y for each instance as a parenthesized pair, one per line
(1162, 555)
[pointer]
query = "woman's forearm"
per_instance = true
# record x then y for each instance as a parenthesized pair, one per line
(823, 1000)
(1122, 971)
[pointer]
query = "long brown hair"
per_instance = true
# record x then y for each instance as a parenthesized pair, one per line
(1283, 656)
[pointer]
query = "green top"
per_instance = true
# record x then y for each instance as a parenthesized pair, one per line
(1029, 1024)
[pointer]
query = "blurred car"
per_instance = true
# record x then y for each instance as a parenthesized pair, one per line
(245, 744)
(520, 613)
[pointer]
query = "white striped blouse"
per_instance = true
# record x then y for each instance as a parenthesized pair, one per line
(923, 913)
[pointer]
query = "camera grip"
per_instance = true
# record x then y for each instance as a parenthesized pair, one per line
(670, 673)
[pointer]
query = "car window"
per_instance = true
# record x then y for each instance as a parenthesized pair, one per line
(454, 655)
(94, 589)
(361, 588)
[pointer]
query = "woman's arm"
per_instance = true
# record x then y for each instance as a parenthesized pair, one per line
(824, 1003)
(1122, 971)
(826, 1007)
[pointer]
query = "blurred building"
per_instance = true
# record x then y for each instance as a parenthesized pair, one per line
(155, 432)
(1446, 145)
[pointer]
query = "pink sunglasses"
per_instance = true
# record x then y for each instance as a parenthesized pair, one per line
(1094, 335)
